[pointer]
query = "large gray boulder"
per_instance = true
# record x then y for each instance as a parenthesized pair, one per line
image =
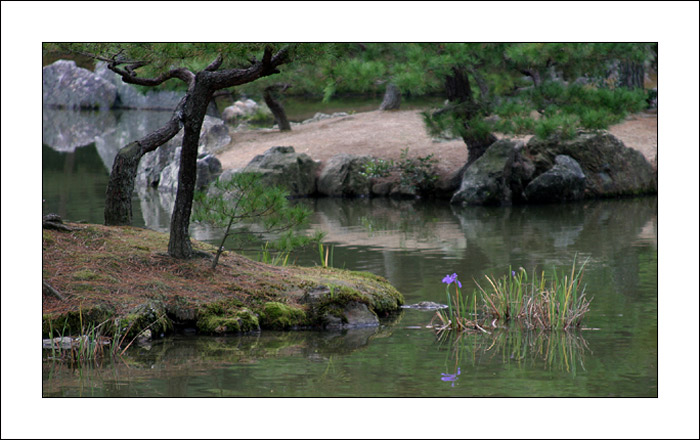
(282, 166)
(487, 180)
(208, 170)
(152, 168)
(127, 95)
(66, 85)
(611, 168)
(521, 173)
(343, 176)
(239, 109)
(353, 314)
(565, 181)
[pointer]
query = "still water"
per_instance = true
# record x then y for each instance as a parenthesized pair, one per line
(414, 244)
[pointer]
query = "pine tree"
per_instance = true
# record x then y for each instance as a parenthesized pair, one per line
(204, 68)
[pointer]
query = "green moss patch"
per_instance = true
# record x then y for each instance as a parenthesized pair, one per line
(226, 317)
(278, 316)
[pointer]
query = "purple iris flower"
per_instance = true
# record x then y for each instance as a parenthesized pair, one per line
(449, 279)
(512, 272)
(451, 377)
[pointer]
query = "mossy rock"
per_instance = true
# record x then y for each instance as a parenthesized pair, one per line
(367, 288)
(150, 316)
(278, 316)
(225, 317)
(341, 306)
(611, 168)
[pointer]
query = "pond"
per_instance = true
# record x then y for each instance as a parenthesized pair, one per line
(414, 244)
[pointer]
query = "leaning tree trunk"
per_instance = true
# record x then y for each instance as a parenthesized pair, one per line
(194, 112)
(190, 113)
(121, 180)
(276, 107)
(392, 98)
(459, 91)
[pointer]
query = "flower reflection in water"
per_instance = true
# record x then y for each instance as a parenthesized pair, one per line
(451, 377)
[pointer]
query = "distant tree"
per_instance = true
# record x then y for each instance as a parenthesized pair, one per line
(564, 84)
(204, 68)
(270, 95)
(392, 98)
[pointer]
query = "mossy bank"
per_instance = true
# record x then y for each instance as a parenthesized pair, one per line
(120, 277)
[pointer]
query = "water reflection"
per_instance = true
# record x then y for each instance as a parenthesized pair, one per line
(564, 351)
(446, 377)
(66, 130)
(414, 243)
(174, 366)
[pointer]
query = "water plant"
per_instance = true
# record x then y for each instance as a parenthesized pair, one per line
(95, 342)
(324, 252)
(554, 302)
(279, 258)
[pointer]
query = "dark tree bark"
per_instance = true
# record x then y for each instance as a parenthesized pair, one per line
(197, 99)
(631, 75)
(190, 114)
(193, 115)
(392, 98)
(275, 106)
(465, 108)
(534, 74)
(121, 180)
(484, 94)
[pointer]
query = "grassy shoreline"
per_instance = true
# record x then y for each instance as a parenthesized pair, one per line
(120, 279)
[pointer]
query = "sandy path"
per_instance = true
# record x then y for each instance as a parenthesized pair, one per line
(385, 134)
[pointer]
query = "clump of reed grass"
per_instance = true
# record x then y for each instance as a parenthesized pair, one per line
(555, 302)
(325, 262)
(93, 344)
(268, 256)
(89, 346)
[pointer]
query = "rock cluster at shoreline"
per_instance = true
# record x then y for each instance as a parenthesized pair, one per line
(592, 165)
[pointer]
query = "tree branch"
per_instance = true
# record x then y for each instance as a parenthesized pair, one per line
(534, 74)
(160, 136)
(215, 64)
(258, 69)
(129, 77)
(52, 291)
(101, 58)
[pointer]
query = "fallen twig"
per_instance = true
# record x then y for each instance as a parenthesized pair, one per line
(52, 291)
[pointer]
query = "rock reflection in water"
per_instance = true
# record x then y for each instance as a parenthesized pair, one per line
(65, 130)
